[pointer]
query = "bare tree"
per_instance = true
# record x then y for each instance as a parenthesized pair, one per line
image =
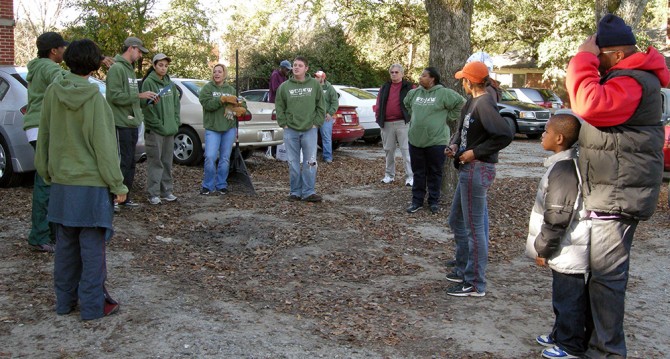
(449, 49)
(41, 17)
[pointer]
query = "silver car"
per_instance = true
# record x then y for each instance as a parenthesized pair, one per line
(260, 131)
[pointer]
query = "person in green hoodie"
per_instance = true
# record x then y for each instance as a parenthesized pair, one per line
(42, 72)
(220, 110)
(77, 156)
(432, 107)
(300, 111)
(332, 103)
(124, 98)
(161, 121)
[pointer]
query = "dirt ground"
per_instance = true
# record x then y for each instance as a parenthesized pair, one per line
(239, 276)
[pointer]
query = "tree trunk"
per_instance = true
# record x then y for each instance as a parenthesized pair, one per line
(449, 23)
(629, 10)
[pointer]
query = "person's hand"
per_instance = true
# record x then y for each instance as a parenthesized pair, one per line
(450, 151)
(466, 157)
(229, 99)
(120, 198)
(108, 61)
(541, 261)
(589, 45)
(147, 95)
(329, 117)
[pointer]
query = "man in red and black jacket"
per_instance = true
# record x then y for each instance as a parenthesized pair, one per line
(616, 90)
(393, 118)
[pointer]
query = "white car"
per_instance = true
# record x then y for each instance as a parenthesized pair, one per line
(372, 90)
(364, 102)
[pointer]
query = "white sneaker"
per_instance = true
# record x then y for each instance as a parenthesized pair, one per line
(387, 179)
(170, 197)
(155, 200)
(409, 182)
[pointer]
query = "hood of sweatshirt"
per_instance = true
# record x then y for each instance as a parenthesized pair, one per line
(74, 91)
(651, 61)
(38, 64)
(307, 78)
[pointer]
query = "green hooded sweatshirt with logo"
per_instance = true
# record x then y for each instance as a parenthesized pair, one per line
(42, 72)
(77, 141)
(214, 116)
(331, 101)
(432, 110)
(122, 94)
(161, 117)
(299, 104)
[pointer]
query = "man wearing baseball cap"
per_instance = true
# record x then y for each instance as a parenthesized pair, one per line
(42, 71)
(277, 78)
(124, 98)
(616, 90)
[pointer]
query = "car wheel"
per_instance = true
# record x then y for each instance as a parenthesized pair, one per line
(8, 177)
(187, 147)
(533, 136)
(336, 145)
(372, 140)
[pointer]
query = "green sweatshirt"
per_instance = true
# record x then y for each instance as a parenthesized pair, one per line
(42, 72)
(331, 101)
(213, 111)
(431, 111)
(162, 117)
(299, 104)
(122, 94)
(77, 140)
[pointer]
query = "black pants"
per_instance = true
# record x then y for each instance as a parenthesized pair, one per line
(127, 142)
(427, 163)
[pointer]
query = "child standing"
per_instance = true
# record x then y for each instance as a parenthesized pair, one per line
(559, 237)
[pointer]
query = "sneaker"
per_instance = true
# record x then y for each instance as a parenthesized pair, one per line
(222, 191)
(545, 340)
(170, 197)
(387, 179)
(129, 204)
(294, 197)
(409, 182)
(465, 290)
(117, 209)
(313, 198)
(556, 352)
(154, 200)
(46, 248)
(451, 263)
(413, 208)
(205, 192)
(110, 308)
(454, 277)
(434, 208)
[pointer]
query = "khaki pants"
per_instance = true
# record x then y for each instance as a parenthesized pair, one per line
(159, 164)
(394, 134)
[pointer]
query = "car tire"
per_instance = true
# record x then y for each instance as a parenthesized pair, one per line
(8, 177)
(336, 145)
(372, 140)
(187, 147)
(533, 136)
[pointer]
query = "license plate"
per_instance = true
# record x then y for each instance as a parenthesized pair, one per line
(347, 118)
(267, 136)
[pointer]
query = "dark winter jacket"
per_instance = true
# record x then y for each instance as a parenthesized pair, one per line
(383, 97)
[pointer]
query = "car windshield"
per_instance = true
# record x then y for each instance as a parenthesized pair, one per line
(358, 93)
(194, 86)
(507, 96)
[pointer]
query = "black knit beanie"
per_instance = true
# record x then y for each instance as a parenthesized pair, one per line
(613, 31)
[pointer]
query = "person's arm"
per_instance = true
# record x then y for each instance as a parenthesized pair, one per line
(151, 112)
(209, 102)
(177, 104)
(118, 89)
(559, 203)
(320, 113)
(453, 104)
(333, 101)
(500, 134)
(42, 148)
(280, 108)
(407, 101)
(101, 136)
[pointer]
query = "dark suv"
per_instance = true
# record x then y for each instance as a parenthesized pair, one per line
(529, 119)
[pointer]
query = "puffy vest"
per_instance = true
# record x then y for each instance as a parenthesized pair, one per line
(622, 166)
(383, 98)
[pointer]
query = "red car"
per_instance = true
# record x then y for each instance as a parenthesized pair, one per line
(666, 149)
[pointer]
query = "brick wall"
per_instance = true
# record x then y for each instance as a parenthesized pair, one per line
(6, 32)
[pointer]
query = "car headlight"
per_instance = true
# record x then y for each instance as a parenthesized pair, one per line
(527, 114)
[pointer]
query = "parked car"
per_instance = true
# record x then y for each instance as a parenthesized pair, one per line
(261, 130)
(364, 102)
(374, 91)
(346, 127)
(542, 97)
(528, 119)
(16, 153)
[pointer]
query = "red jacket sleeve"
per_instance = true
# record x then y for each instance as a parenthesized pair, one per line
(609, 104)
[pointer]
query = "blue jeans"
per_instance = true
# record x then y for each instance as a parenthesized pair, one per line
(302, 180)
(570, 300)
(427, 166)
(610, 259)
(80, 270)
(469, 221)
(218, 144)
(326, 131)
